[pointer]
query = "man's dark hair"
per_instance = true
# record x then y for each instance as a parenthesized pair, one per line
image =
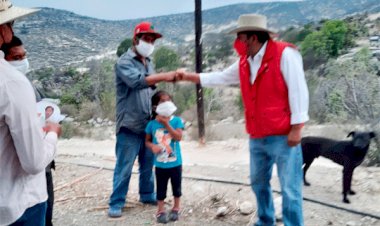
(262, 36)
(7, 46)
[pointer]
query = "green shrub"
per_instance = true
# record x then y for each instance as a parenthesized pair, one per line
(88, 110)
(123, 47)
(69, 109)
(166, 59)
(108, 105)
(69, 99)
(68, 130)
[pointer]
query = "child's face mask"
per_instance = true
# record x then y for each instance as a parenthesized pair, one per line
(166, 108)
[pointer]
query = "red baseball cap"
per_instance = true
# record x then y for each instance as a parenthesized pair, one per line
(145, 28)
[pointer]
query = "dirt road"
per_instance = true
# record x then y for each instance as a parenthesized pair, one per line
(83, 189)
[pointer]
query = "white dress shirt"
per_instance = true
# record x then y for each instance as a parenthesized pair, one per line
(24, 151)
(292, 70)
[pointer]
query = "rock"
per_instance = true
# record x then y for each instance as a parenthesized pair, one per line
(351, 223)
(68, 119)
(110, 123)
(227, 120)
(91, 121)
(368, 220)
(222, 211)
(246, 208)
(241, 121)
(99, 120)
(216, 198)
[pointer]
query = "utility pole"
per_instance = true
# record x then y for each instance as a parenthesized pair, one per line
(198, 69)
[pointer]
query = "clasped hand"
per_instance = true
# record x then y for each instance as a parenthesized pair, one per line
(175, 76)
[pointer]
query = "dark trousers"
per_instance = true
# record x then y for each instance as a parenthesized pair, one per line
(162, 178)
(33, 216)
(50, 201)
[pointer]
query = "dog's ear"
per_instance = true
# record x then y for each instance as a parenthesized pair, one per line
(372, 134)
(352, 133)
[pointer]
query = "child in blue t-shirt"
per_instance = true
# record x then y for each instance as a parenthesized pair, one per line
(163, 135)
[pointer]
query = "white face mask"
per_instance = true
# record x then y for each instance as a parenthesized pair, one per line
(21, 65)
(166, 108)
(144, 49)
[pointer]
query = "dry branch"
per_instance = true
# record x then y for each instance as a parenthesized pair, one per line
(78, 179)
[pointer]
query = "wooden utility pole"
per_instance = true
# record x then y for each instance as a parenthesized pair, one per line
(198, 68)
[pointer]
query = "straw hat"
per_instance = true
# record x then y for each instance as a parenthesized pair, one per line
(8, 12)
(252, 22)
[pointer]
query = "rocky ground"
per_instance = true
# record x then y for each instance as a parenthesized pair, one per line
(215, 182)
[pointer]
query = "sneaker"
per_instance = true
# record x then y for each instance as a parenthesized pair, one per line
(162, 218)
(173, 215)
(114, 212)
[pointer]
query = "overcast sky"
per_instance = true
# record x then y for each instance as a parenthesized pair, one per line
(127, 9)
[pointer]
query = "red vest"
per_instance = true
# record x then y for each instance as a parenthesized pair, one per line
(267, 110)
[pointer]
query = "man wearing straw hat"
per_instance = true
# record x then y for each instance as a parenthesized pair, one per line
(276, 101)
(24, 152)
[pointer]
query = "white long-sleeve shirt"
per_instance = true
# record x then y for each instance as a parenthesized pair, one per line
(24, 151)
(292, 70)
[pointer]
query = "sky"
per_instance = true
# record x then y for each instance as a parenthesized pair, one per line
(128, 9)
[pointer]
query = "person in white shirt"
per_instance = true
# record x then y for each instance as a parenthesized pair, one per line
(15, 54)
(276, 101)
(24, 150)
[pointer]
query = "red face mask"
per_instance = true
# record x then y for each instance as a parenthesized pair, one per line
(240, 47)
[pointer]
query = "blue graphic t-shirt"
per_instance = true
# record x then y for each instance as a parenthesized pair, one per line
(171, 151)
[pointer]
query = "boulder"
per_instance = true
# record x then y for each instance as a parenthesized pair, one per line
(246, 208)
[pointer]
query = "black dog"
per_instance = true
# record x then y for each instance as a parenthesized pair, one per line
(349, 154)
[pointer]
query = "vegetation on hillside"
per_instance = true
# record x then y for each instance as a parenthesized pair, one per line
(123, 47)
(341, 91)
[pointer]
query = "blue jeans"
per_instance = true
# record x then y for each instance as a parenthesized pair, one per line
(33, 216)
(264, 152)
(129, 145)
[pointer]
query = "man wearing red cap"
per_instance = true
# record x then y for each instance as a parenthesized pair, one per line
(135, 80)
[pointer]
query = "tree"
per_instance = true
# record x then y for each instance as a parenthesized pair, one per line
(335, 32)
(123, 47)
(329, 41)
(166, 59)
(348, 90)
(296, 35)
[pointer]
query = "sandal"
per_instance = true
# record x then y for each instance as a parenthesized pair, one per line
(173, 215)
(162, 218)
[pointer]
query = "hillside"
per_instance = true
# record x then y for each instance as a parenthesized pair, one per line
(57, 38)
